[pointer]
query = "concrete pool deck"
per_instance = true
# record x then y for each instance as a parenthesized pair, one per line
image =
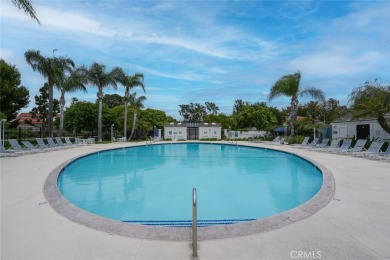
(354, 225)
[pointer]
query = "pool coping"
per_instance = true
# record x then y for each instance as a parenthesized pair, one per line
(68, 210)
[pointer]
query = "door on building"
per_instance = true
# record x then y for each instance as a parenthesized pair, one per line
(362, 131)
(192, 133)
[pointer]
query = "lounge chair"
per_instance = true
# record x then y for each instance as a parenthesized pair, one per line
(68, 141)
(62, 144)
(309, 145)
(358, 147)
(344, 146)
(321, 145)
(4, 152)
(17, 147)
(381, 155)
(333, 145)
(277, 141)
(41, 144)
(304, 142)
(374, 148)
(32, 148)
(52, 144)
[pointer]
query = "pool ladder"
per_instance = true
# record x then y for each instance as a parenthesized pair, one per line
(194, 224)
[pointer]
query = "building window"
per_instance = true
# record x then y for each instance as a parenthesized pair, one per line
(170, 132)
(205, 132)
(215, 132)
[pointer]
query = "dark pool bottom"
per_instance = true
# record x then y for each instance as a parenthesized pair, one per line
(158, 231)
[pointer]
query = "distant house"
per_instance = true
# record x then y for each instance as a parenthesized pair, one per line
(346, 127)
(192, 131)
(26, 120)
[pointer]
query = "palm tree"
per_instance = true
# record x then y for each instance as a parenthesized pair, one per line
(97, 76)
(69, 83)
(136, 103)
(289, 86)
(129, 82)
(372, 100)
(53, 70)
(27, 7)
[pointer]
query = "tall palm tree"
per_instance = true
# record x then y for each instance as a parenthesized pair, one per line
(27, 7)
(69, 83)
(97, 75)
(136, 103)
(129, 82)
(288, 85)
(53, 70)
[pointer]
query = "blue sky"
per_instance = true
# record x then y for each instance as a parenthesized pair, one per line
(216, 51)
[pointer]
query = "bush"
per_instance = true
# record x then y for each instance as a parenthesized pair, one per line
(294, 139)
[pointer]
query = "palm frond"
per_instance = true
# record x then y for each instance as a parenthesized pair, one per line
(27, 7)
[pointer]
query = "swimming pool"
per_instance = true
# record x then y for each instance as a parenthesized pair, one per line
(108, 158)
(152, 184)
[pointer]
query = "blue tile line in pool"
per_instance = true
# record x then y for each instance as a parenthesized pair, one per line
(186, 223)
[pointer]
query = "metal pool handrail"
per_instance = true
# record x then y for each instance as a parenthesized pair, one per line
(194, 224)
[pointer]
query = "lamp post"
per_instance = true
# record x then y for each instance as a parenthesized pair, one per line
(54, 51)
(112, 133)
(2, 131)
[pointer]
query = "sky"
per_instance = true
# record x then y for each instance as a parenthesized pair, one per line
(207, 51)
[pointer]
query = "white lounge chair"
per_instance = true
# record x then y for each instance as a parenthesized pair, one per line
(17, 147)
(381, 155)
(62, 144)
(304, 142)
(31, 147)
(358, 147)
(52, 144)
(4, 152)
(374, 148)
(321, 145)
(313, 143)
(344, 146)
(333, 145)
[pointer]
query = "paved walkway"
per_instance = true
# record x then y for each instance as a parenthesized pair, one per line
(354, 225)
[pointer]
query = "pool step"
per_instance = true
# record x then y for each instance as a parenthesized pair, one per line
(187, 223)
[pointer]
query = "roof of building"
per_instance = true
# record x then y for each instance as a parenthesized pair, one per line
(201, 124)
(349, 118)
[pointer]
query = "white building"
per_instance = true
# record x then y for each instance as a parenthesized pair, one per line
(346, 127)
(192, 131)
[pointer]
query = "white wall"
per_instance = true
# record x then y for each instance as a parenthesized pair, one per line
(209, 132)
(348, 130)
(244, 134)
(175, 132)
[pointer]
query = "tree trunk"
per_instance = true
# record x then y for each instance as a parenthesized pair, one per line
(134, 120)
(100, 97)
(50, 112)
(125, 122)
(293, 115)
(62, 106)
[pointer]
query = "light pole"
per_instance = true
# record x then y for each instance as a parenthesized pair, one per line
(54, 51)
(2, 131)
(112, 133)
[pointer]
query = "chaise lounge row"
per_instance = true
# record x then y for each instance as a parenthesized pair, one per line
(50, 145)
(372, 152)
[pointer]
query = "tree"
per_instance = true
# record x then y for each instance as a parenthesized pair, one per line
(129, 82)
(112, 100)
(81, 116)
(136, 103)
(13, 97)
(193, 112)
(53, 70)
(212, 108)
(98, 76)
(289, 86)
(371, 100)
(239, 104)
(333, 110)
(40, 111)
(257, 115)
(69, 83)
(27, 7)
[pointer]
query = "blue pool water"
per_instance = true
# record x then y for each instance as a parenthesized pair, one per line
(153, 184)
